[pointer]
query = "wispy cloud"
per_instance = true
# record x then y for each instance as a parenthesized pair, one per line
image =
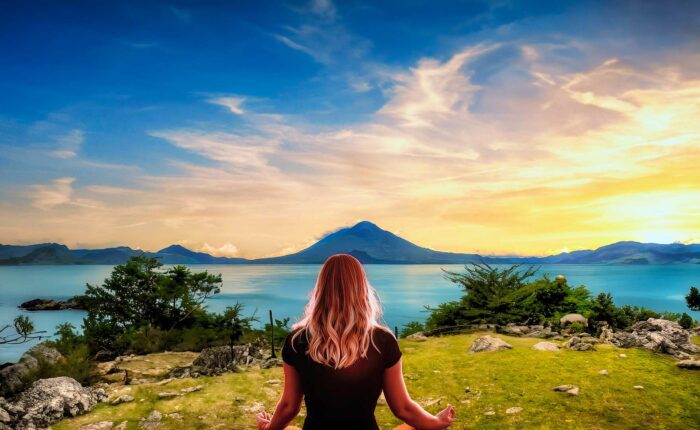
(232, 103)
(68, 145)
(48, 196)
(226, 250)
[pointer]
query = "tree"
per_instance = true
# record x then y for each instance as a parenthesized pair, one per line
(685, 321)
(603, 309)
(693, 299)
(140, 296)
(23, 332)
(235, 324)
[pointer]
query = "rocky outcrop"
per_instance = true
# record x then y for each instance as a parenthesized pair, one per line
(219, 359)
(546, 346)
(47, 401)
(52, 305)
(573, 318)
(14, 377)
(417, 336)
(488, 344)
(689, 364)
(657, 335)
(581, 343)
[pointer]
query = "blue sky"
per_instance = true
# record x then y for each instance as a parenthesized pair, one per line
(216, 124)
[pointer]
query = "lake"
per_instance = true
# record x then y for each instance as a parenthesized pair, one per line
(404, 289)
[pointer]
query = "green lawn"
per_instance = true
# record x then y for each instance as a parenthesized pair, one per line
(442, 368)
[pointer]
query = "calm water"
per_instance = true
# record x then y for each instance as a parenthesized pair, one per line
(284, 289)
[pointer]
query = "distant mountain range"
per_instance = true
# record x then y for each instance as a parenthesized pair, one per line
(367, 242)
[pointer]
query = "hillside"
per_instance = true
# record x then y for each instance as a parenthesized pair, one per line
(439, 371)
(366, 241)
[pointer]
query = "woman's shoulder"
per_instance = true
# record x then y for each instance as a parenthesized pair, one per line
(383, 334)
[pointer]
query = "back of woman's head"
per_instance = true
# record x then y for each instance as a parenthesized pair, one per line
(341, 313)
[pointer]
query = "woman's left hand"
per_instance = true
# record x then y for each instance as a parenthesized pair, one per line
(262, 419)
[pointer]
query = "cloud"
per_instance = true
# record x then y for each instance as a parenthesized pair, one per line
(48, 196)
(226, 250)
(68, 144)
(232, 103)
(323, 8)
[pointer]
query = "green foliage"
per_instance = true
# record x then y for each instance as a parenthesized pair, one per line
(603, 309)
(576, 327)
(76, 362)
(693, 299)
(411, 328)
(20, 331)
(501, 296)
(139, 299)
(685, 321)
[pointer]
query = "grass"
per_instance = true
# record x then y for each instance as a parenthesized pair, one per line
(442, 368)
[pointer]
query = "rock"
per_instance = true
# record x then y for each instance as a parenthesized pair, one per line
(124, 398)
(15, 376)
(165, 381)
(622, 355)
(638, 387)
(605, 333)
(489, 343)
(51, 305)
(514, 410)
(4, 416)
(219, 359)
(657, 335)
(432, 402)
(417, 336)
(490, 413)
(268, 363)
(546, 346)
(191, 389)
(254, 408)
(572, 318)
(381, 400)
(47, 401)
(572, 390)
(152, 421)
(689, 364)
(273, 382)
(603, 372)
(100, 425)
(167, 395)
(104, 355)
(180, 372)
(578, 344)
(513, 329)
(175, 415)
(121, 426)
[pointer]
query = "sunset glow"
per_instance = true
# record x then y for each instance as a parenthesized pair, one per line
(507, 136)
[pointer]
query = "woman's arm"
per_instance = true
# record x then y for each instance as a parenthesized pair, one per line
(290, 403)
(406, 409)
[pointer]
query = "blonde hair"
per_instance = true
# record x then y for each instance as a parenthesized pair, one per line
(342, 312)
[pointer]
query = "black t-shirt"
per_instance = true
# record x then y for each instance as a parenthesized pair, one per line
(342, 398)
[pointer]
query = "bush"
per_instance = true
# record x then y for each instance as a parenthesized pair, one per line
(411, 328)
(685, 321)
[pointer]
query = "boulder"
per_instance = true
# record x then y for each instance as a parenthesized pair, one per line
(546, 346)
(657, 335)
(180, 372)
(14, 377)
(689, 364)
(572, 318)
(417, 336)
(578, 344)
(219, 359)
(47, 401)
(152, 421)
(488, 344)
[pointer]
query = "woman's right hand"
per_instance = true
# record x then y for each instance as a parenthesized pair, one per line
(446, 416)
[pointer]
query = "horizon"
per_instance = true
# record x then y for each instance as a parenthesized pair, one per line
(349, 227)
(248, 130)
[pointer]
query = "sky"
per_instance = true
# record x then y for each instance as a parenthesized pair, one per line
(252, 128)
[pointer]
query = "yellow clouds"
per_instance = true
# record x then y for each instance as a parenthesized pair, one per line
(497, 149)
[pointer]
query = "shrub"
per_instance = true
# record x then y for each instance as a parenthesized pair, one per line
(411, 328)
(685, 321)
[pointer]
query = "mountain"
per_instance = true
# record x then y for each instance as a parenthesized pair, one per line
(366, 241)
(370, 244)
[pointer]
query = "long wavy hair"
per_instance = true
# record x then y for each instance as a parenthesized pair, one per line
(342, 312)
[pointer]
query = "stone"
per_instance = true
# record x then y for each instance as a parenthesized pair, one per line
(219, 359)
(152, 421)
(100, 425)
(622, 355)
(638, 387)
(124, 398)
(572, 318)
(432, 402)
(603, 372)
(546, 346)
(689, 364)
(121, 426)
(14, 377)
(657, 335)
(180, 372)
(167, 395)
(577, 344)
(273, 382)
(572, 390)
(488, 344)
(417, 336)
(514, 410)
(191, 389)
(47, 401)
(268, 363)
(490, 413)
(514, 329)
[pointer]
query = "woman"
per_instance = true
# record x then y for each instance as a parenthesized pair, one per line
(339, 358)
